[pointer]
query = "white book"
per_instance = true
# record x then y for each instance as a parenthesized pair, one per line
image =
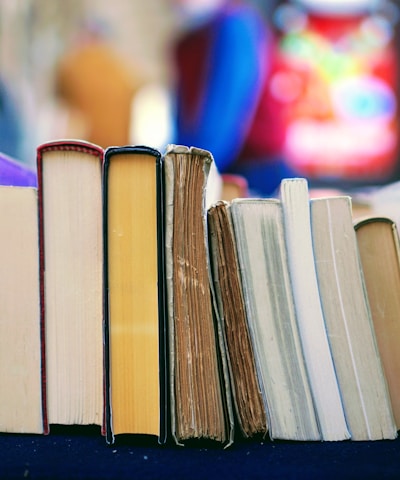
(324, 385)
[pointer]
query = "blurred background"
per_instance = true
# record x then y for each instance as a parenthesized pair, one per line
(34, 34)
(329, 82)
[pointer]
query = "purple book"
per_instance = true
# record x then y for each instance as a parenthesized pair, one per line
(15, 173)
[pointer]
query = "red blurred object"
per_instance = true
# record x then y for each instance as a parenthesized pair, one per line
(335, 81)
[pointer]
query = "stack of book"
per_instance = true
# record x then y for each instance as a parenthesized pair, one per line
(132, 302)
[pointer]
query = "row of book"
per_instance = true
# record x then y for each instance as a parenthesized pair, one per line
(131, 302)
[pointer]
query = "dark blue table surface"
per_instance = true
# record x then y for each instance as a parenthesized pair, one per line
(82, 453)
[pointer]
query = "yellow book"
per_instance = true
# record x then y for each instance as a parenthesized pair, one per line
(134, 292)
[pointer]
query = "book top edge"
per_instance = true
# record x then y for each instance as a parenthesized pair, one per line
(70, 144)
(172, 148)
(371, 219)
(131, 149)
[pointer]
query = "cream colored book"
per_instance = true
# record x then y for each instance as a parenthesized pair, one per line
(321, 371)
(22, 396)
(348, 321)
(71, 242)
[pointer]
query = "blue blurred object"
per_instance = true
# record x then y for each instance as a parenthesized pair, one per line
(11, 131)
(15, 173)
(222, 65)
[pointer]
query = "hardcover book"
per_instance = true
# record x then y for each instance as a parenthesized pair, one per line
(71, 279)
(136, 399)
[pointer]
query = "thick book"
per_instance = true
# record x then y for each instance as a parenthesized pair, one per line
(271, 315)
(379, 249)
(348, 321)
(22, 370)
(201, 406)
(15, 173)
(294, 195)
(134, 286)
(71, 279)
(227, 287)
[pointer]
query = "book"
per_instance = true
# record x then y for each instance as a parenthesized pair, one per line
(134, 285)
(314, 339)
(271, 315)
(15, 173)
(348, 321)
(246, 393)
(377, 201)
(22, 393)
(71, 279)
(234, 186)
(378, 245)
(200, 399)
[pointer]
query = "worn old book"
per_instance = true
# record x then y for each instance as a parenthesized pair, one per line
(294, 195)
(71, 275)
(22, 371)
(227, 287)
(271, 315)
(199, 385)
(378, 245)
(134, 300)
(15, 173)
(348, 321)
